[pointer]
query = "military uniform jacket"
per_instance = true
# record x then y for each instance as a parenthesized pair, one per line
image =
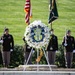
(53, 43)
(28, 48)
(70, 43)
(8, 42)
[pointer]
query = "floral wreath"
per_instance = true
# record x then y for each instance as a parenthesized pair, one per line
(37, 34)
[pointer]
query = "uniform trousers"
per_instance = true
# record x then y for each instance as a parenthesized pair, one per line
(6, 58)
(69, 57)
(26, 57)
(51, 57)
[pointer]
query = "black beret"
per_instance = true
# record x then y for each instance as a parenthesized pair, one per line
(6, 29)
(68, 31)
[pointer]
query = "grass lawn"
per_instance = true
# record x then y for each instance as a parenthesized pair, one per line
(12, 16)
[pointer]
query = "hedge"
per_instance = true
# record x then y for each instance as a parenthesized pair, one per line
(17, 57)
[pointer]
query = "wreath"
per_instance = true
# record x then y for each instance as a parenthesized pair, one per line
(37, 34)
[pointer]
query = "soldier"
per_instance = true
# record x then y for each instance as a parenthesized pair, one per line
(8, 45)
(68, 43)
(27, 49)
(52, 47)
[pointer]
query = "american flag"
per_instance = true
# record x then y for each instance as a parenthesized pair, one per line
(28, 11)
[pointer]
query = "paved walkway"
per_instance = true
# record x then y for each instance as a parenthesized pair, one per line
(35, 69)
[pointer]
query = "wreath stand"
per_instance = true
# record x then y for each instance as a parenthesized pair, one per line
(25, 64)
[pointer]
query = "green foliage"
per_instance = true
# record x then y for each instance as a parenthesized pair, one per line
(17, 57)
(60, 60)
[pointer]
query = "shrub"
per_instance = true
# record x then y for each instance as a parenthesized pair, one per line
(17, 57)
(60, 60)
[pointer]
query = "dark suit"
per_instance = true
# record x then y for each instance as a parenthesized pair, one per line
(69, 49)
(52, 47)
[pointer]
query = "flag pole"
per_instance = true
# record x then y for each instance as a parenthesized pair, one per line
(51, 25)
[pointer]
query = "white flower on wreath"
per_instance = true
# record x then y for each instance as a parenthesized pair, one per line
(28, 35)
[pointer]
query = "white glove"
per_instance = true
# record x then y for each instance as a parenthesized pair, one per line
(11, 50)
(1, 41)
(56, 51)
(73, 51)
(33, 52)
(65, 44)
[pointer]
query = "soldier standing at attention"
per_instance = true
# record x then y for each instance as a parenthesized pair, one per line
(8, 45)
(52, 47)
(27, 49)
(68, 43)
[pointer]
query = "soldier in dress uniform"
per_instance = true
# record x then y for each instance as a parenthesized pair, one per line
(8, 45)
(52, 47)
(68, 43)
(27, 50)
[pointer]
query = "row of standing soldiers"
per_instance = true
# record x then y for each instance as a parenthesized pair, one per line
(68, 43)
